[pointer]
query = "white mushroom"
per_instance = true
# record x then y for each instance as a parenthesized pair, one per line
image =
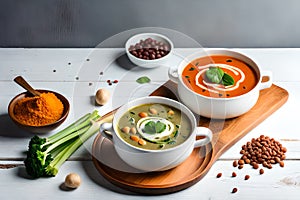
(102, 96)
(72, 180)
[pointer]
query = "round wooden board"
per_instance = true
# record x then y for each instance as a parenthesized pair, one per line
(117, 172)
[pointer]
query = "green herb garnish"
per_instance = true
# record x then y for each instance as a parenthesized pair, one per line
(131, 120)
(154, 127)
(143, 79)
(227, 80)
(217, 75)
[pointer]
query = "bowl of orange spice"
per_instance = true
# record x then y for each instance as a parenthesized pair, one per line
(40, 113)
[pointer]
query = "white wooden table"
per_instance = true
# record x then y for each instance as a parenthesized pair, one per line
(78, 73)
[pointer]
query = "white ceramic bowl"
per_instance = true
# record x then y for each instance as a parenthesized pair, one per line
(149, 63)
(220, 108)
(155, 160)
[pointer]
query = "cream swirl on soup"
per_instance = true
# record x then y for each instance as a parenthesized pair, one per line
(214, 87)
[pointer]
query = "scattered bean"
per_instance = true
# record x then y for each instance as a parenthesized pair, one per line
(235, 164)
(241, 162)
(132, 130)
(142, 142)
(281, 163)
(261, 171)
(149, 49)
(170, 112)
(153, 111)
(125, 129)
(233, 174)
(234, 190)
(262, 150)
(255, 166)
(247, 177)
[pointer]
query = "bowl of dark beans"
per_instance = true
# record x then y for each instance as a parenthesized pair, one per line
(149, 50)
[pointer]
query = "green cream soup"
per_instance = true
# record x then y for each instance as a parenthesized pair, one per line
(154, 126)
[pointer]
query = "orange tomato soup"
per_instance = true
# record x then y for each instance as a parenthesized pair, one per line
(244, 77)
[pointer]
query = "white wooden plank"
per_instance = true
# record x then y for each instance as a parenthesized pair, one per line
(76, 74)
(272, 184)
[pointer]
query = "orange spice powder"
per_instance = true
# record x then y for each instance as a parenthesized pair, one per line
(39, 110)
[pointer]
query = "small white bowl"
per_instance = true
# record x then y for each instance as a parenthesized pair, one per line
(148, 63)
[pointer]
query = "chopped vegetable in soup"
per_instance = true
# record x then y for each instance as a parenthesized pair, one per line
(154, 126)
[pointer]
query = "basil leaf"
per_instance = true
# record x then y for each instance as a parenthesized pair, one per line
(217, 75)
(214, 74)
(160, 127)
(143, 79)
(227, 80)
(154, 127)
(150, 127)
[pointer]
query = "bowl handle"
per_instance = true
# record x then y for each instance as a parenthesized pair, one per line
(203, 131)
(268, 83)
(106, 130)
(173, 74)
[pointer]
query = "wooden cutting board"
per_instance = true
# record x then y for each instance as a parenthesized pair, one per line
(225, 134)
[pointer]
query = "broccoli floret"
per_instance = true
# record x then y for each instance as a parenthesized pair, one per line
(46, 155)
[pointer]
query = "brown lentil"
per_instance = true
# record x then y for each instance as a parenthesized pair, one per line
(255, 166)
(261, 171)
(281, 163)
(235, 164)
(262, 150)
(233, 174)
(247, 177)
(241, 162)
(219, 175)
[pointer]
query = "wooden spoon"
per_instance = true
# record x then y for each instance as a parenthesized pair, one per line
(22, 82)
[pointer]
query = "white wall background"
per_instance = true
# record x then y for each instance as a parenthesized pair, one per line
(213, 23)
